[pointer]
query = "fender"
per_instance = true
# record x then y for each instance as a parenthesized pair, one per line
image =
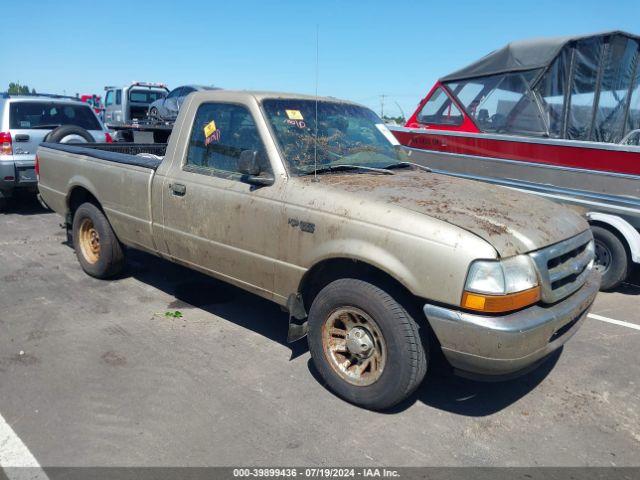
(623, 227)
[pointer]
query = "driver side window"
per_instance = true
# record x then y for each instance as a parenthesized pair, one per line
(221, 132)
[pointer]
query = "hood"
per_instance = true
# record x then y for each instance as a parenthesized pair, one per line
(512, 222)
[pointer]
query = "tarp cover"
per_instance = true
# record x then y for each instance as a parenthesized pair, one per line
(522, 55)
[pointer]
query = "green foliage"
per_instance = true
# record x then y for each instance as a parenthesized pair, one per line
(399, 120)
(17, 89)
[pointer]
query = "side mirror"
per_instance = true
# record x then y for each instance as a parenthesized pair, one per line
(249, 167)
(248, 162)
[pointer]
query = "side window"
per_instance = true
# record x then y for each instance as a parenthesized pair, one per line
(176, 92)
(440, 110)
(108, 100)
(221, 131)
(501, 103)
(118, 97)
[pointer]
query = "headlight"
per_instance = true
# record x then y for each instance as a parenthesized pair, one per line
(501, 285)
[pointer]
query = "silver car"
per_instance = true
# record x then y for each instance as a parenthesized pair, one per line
(25, 121)
(167, 108)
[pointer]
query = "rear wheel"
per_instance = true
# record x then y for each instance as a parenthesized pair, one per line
(98, 250)
(365, 345)
(612, 259)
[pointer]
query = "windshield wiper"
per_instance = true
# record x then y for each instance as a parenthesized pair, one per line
(408, 164)
(334, 168)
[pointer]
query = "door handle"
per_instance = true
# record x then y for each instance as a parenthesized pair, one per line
(178, 189)
(21, 137)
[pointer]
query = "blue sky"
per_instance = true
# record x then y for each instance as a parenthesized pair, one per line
(396, 48)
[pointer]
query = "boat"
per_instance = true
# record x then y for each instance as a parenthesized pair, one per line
(556, 117)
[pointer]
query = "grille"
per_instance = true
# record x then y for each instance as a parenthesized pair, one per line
(563, 267)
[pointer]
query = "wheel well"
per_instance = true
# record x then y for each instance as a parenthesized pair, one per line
(78, 196)
(325, 272)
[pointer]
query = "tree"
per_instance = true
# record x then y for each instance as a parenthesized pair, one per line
(17, 89)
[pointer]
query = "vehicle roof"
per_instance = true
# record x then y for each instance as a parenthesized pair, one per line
(524, 55)
(42, 98)
(200, 87)
(263, 95)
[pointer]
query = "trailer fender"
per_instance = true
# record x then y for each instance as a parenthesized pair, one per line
(624, 228)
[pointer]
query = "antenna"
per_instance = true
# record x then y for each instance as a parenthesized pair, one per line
(315, 142)
(382, 97)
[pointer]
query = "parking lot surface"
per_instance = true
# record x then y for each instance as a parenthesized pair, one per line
(92, 373)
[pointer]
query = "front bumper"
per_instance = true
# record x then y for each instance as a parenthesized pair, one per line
(503, 345)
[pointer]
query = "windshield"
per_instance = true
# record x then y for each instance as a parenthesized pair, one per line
(347, 135)
(146, 96)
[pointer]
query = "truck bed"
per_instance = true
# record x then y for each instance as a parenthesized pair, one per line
(114, 173)
(125, 153)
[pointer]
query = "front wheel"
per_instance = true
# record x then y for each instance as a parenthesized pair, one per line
(612, 260)
(365, 345)
(153, 114)
(98, 249)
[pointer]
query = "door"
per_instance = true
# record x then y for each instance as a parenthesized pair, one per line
(212, 219)
(169, 107)
(182, 97)
(109, 102)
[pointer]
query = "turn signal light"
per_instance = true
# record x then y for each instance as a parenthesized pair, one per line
(500, 303)
(5, 144)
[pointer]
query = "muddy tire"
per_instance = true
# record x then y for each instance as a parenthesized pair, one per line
(98, 249)
(612, 259)
(365, 345)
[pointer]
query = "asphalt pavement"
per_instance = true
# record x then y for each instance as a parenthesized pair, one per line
(93, 373)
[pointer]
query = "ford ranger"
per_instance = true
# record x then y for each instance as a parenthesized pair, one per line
(311, 203)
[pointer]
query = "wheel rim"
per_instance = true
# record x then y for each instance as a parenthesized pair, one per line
(603, 257)
(89, 241)
(354, 346)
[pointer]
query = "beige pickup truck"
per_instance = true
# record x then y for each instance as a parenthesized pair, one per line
(311, 203)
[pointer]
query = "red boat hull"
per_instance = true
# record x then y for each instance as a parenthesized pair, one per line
(561, 153)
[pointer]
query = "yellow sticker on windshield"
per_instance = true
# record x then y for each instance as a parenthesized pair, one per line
(209, 128)
(294, 115)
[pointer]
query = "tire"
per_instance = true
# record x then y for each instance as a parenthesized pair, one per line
(612, 259)
(389, 328)
(105, 261)
(58, 135)
(153, 114)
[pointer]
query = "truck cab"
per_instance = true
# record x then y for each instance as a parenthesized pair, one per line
(130, 104)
